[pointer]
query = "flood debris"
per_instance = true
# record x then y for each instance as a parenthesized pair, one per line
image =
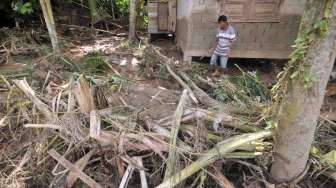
(74, 169)
(118, 127)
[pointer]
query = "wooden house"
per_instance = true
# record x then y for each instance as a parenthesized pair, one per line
(265, 28)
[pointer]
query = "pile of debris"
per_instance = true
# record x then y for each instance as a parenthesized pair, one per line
(99, 132)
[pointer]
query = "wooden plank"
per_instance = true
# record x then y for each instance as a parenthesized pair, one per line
(172, 15)
(163, 16)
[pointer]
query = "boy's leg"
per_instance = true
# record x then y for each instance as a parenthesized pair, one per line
(214, 59)
(213, 62)
(223, 61)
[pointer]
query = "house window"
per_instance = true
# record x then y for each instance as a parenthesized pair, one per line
(251, 10)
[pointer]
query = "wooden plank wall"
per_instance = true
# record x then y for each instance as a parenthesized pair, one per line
(183, 24)
(153, 25)
(172, 15)
(163, 16)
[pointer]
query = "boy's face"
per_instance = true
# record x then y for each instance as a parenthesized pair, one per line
(223, 24)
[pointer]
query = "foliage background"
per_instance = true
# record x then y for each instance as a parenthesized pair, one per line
(26, 11)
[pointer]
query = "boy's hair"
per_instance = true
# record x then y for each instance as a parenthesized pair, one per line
(222, 18)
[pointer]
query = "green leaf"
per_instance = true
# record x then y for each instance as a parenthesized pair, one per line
(23, 10)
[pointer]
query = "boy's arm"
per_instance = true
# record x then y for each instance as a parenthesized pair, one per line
(213, 47)
(215, 44)
(233, 36)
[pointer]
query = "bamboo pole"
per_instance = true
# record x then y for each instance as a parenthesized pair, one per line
(49, 20)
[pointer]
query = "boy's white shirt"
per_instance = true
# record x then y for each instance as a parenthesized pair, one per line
(226, 35)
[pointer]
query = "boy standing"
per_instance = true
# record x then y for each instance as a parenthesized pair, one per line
(225, 37)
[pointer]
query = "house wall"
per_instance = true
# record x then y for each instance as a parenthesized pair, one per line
(153, 24)
(255, 40)
(183, 24)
